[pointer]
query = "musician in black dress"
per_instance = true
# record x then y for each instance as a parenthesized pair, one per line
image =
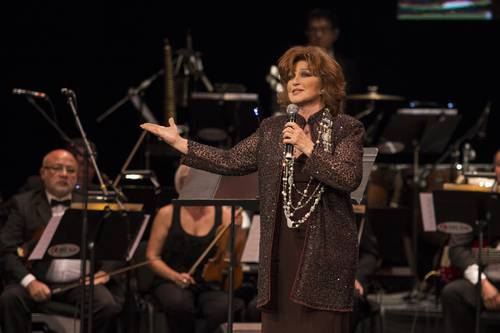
(178, 237)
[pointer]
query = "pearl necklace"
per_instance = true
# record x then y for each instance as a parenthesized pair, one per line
(289, 208)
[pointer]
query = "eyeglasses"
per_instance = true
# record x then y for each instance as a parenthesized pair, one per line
(319, 30)
(60, 169)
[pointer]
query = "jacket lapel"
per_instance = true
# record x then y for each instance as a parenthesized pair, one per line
(43, 209)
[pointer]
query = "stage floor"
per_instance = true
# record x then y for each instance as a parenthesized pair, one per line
(402, 314)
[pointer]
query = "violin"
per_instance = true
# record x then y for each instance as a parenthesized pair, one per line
(217, 268)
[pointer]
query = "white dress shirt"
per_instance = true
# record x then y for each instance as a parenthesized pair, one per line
(60, 270)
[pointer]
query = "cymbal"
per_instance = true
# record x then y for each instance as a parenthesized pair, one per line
(374, 96)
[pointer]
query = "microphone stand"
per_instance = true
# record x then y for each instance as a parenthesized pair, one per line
(63, 135)
(133, 92)
(89, 154)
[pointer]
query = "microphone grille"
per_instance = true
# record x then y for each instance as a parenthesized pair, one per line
(292, 109)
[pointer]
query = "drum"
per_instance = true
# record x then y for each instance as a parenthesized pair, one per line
(387, 186)
(436, 177)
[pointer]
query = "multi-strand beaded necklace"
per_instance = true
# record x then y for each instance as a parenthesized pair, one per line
(307, 195)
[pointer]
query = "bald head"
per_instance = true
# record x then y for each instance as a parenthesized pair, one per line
(58, 172)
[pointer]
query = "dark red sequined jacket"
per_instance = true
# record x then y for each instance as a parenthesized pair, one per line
(326, 272)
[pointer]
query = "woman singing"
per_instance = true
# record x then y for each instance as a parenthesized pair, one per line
(308, 246)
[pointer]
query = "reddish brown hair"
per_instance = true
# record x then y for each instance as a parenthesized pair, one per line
(320, 64)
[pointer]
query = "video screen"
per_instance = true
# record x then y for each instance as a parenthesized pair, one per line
(447, 10)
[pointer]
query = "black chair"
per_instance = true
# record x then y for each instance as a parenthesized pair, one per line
(151, 317)
(56, 317)
(148, 306)
(53, 316)
(490, 320)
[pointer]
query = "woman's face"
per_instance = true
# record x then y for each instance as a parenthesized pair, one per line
(304, 88)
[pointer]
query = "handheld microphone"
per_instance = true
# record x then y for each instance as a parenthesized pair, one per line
(291, 111)
(36, 94)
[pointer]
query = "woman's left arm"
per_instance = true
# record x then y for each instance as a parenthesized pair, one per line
(342, 169)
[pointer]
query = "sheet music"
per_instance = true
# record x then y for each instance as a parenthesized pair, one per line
(427, 212)
(138, 237)
(251, 251)
(200, 185)
(42, 245)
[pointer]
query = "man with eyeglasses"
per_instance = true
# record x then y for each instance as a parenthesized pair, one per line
(27, 288)
(77, 147)
(323, 30)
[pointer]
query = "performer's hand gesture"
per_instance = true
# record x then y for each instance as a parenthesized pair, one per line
(168, 134)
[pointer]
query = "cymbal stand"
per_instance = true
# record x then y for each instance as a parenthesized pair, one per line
(369, 109)
(189, 64)
(133, 95)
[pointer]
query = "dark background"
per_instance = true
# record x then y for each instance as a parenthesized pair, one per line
(100, 52)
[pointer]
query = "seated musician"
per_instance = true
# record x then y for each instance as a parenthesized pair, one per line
(28, 287)
(458, 297)
(77, 147)
(178, 237)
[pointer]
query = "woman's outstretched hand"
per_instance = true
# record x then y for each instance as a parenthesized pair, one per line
(168, 134)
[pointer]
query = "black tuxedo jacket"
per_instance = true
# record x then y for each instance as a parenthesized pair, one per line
(30, 212)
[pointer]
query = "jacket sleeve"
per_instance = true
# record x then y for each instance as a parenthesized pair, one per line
(237, 161)
(11, 237)
(342, 169)
(460, 251)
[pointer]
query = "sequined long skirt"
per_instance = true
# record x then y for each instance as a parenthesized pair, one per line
(291, 317)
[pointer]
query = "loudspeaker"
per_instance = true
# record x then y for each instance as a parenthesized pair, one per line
(241, 328)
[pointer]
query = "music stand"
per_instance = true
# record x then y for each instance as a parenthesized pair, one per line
(462, 212)
(421, 132)
(203, 188)
(61, 236)
(431, 131)
(112, 237)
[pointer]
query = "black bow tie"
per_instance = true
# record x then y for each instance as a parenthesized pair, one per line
(54, 202)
